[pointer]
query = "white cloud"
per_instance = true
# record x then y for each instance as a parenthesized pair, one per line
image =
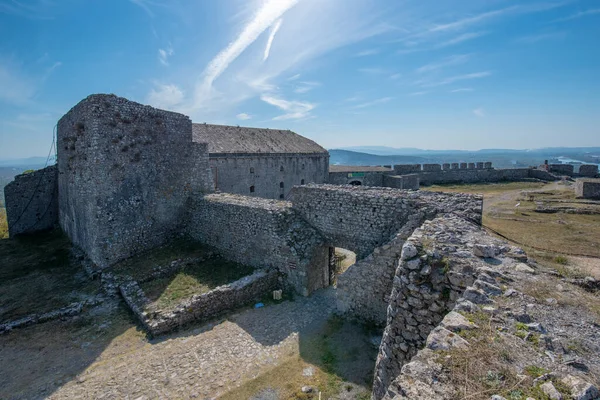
(368, 52)
(274, 30)
(541, 37)
(461, 38)
(372, 71)
(447, 62)
(461, 90)
(271, 11)
(479, 112)
(293, 109)
(166, 96)
(306, 86)
(164, 54)
(243, 116)
(15, 87)
(419, 93)
(294, 77)
(458, 78)
(578, 15)
(395, 76)
(373, 103)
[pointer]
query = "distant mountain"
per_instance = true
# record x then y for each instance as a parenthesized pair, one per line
(405, 151)
(30, 162)
(345, 157)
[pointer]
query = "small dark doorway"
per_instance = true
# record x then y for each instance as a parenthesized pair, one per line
(356, 183)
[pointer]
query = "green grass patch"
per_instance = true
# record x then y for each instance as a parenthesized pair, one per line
(562, 260)
(3, 224)
(534, 371)
(194, 278)
(141, 266)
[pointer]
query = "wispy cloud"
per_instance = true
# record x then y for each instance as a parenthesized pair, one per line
(479, 112)
(461, 38)
(164, 54)
(461, 90)
(419, 93)
(368, 52)
(15, 87)
(274, 30)
(270, 12)
(458, 78)
(166, 96)
(243, 116)
(293, 109)
(373, 103)
(36, 9)
(306, 86)
(447, 62)
(395, 76)
(531, 39)
(372, 70)
(294, 77)
(578, 15)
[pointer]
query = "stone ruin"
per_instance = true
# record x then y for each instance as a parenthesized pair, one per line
(130, 178)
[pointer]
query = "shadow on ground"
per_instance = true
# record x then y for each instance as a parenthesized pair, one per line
(37, 274)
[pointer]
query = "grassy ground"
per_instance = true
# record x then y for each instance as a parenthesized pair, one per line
(338, 355)
(194, 278)
(3, 224)
(558, 233)
(140, 266)
(37, 275)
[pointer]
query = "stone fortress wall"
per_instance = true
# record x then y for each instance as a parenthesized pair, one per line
(271, 176)
(32, 201)
(125, 174)
(588, 188)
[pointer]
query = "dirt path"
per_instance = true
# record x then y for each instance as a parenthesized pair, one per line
(204, 362)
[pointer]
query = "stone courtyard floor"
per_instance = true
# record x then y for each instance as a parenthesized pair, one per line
(102, 354)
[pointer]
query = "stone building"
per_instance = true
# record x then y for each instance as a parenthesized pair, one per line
(261, 162)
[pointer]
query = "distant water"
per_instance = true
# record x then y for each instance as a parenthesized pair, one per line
(567, 160)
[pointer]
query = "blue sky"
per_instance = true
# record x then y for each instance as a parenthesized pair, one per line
(444, 74)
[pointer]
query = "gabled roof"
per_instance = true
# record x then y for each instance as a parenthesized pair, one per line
(236, 139)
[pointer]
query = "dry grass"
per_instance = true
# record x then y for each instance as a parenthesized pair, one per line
(37, 275)
(559, 233)
(194, 278)
(487, 367)
(485, 188)
(3, 224)
(141, 266)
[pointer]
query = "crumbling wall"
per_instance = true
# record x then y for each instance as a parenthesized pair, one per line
(467, 175)
(32, 201)
(439, 263)
(366, 178)
(588, 170)
(202, 306)
(363, 290)
(126, 172)
(410, 181)
(588, 188)
(561, 169)
(262, 233)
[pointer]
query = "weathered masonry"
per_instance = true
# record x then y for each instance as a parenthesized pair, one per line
(31, 201)
(261, 162)
(126, 173)
(588, 188)
(131, 177)
(410, 176)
